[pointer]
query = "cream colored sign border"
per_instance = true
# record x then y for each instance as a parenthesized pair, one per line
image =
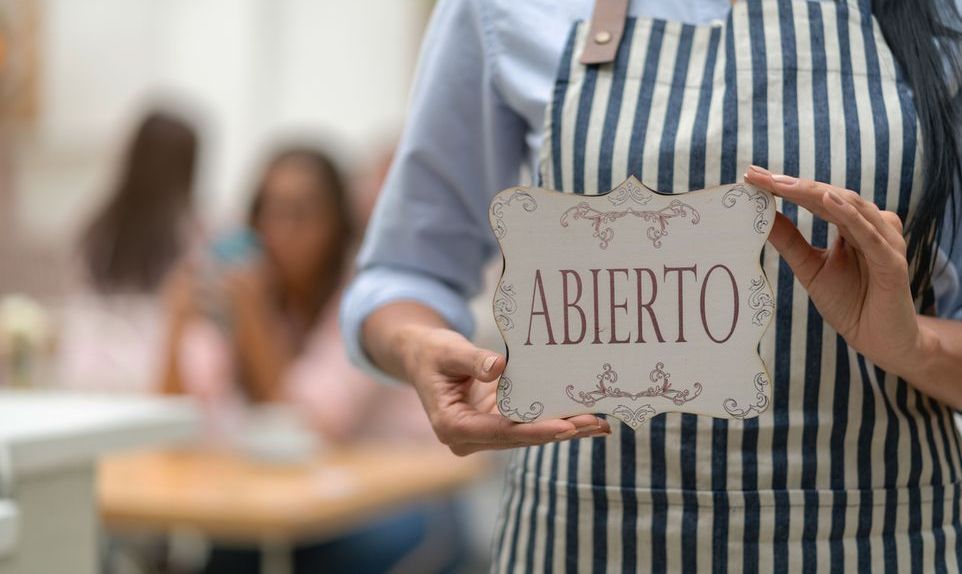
(606, 223)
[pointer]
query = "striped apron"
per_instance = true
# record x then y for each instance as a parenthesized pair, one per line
(850, 469)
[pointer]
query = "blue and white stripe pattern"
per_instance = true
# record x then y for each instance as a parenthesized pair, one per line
(850, 469)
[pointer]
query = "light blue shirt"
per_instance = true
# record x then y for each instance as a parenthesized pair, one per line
(486, 71)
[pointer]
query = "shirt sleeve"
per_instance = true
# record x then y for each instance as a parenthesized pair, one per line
(382, 284)
(429, 236)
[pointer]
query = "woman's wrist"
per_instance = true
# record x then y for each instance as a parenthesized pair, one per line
(918, 365)
(935, 366)
(406, 340)
(391, 334)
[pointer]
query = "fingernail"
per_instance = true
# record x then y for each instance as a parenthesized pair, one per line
(588, 428)
(785, 180)
(835, 197)
(566, 434)
(488, 363)
(760, 170)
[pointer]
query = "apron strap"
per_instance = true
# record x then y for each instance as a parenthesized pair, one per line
(604, 35)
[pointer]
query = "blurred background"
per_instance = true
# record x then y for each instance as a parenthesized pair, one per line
(183, 185)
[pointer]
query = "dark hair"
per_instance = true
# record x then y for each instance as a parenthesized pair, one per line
(137, 237)
(330, 183)
(924, 36)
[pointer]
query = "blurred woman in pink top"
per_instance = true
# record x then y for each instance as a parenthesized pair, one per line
(258, 316)
(257, 325)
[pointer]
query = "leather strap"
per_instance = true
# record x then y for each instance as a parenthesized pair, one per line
(604, 35)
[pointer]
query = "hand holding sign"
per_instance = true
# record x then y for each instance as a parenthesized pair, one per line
(633, 303)
(860, 285)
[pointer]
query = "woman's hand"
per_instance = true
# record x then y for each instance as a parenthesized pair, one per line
(860, 284)
(263, 347)
(457, 385)
(456, 382)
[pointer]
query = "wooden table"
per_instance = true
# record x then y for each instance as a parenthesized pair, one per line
(230, 497)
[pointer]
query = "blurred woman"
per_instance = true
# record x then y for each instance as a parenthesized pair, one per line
(262, 328)
(264, 287)
(113, 321)
(261, 322)
(145, 226)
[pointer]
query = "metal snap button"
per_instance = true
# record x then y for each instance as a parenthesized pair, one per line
(603, 37)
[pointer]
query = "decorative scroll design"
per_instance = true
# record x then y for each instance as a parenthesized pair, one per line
(505, 306)
(527, 201)
(758, 198)
(504, 404)
(760, 301)
(602, 220)
(758, 407)
(634, 417)
(662, 388)
(605, 388)
(629, 190)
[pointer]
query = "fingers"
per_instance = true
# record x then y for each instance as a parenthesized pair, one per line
(462, 418)
(464, 428)
(886, 222)
(866, 236)
(585, 421)
(805, 193)
(827, 201)
(496, 429)
(479, 431)
(874, 233)
(893, 220)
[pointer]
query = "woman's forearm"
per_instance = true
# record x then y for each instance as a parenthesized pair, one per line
(455, 381)
(179, 307)
(386, 334)
(937, 367)
(262, 349)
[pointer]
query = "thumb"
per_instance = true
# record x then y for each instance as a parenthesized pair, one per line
(794, 248)
(464, 359)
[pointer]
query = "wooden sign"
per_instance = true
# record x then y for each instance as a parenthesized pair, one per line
(633, 303)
